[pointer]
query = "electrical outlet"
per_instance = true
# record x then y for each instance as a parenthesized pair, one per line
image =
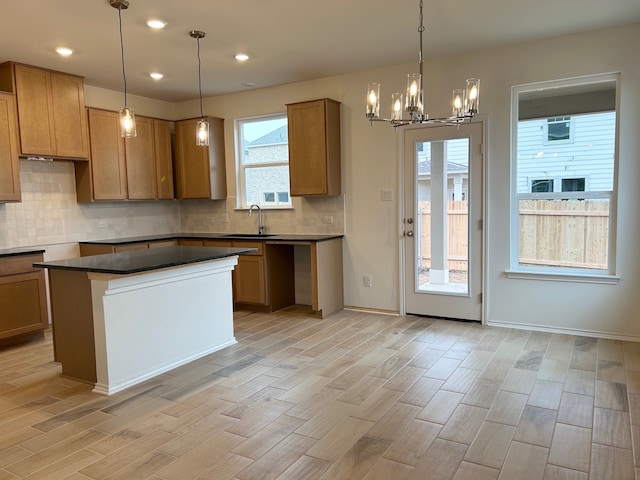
(367, 280)
(387, 195)
(327, 219)
(103, 224)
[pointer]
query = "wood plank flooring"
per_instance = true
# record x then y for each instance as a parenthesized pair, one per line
(354, 396)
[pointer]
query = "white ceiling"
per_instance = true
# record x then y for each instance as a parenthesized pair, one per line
(289, 40)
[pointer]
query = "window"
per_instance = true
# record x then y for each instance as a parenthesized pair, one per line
(563, 183)
(558, 128)
(276, 197)
(263, 162)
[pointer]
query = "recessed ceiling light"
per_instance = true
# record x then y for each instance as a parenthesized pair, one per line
(156, 23)
(242, 57)
(156, 75)
(64, 51)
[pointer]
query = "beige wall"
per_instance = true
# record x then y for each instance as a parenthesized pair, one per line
(370, 165)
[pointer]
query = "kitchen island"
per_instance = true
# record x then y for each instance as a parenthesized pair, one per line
(122, 318)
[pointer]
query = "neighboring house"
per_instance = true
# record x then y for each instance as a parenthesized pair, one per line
(267, 184)
(457, 170)
(566, 154)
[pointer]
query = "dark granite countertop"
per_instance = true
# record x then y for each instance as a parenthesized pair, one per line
(143, 260)
(279, 237)
(11, 252)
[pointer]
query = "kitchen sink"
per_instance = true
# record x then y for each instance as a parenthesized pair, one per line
(249, 235)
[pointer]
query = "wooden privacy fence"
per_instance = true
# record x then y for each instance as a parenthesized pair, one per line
(567, 233)
(458, 237)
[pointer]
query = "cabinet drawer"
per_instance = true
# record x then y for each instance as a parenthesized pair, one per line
(163, 243)
(19, 264)
(258, 245)
(217, 243)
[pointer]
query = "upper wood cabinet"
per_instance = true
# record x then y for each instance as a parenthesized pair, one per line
(9, 162)
(51, 111)
(133, 168)
(200, 171)
(314, 147)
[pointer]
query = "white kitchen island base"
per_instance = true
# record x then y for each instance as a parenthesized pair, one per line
(168, 307)
(146, 324)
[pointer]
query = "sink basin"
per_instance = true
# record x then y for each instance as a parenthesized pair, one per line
(248, 235)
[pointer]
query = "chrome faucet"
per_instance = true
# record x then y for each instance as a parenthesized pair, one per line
(260, 226)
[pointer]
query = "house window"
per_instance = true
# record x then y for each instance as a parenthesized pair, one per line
(563, 192)
(276, 197)
(541, 186)
(558, 128)
(263, 162)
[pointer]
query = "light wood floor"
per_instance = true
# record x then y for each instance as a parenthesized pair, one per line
(354, 396)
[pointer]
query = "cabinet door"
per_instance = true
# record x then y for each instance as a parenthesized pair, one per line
(192, 163)
(22, 303)
(108, 174)
(35, 110)
(200, 171)
(140, 158)
(249, 284)
(314, 148)
(9, 163)
(164, 161)
(69, 117)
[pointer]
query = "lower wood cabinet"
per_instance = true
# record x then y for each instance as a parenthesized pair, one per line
(23, 302)
(262, 278)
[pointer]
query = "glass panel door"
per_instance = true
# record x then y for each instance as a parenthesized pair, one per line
(443, 236)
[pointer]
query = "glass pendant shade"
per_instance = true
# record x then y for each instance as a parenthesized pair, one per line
(414, 87)
(458, 102)
(373, 100)
(473, 95)
(127, 123)
(202, 133)
(396, 107)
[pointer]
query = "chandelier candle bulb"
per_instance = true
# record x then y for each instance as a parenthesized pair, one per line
(458, 102)
(373, 100)
(473, 95)
(396, 107)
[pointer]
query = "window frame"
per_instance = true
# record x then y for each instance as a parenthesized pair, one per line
(241, 168)
(558, 273)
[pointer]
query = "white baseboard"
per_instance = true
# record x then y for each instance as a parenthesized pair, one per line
(566, 331)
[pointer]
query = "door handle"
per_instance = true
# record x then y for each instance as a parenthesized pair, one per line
(409, 233)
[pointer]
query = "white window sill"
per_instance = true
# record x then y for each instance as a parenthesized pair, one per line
(264, 207)
(563, 277)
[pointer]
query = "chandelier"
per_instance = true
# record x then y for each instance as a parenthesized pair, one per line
(464, 102)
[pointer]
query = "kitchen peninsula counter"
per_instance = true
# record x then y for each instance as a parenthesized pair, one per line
(122, 318)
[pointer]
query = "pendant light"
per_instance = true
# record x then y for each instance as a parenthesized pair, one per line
(127, 118)
(202, 127)
(464, 102)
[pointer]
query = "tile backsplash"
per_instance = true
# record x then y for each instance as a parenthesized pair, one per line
(49, 213)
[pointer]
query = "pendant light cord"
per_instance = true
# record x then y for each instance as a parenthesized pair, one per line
(199, 77)
(124, 75)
